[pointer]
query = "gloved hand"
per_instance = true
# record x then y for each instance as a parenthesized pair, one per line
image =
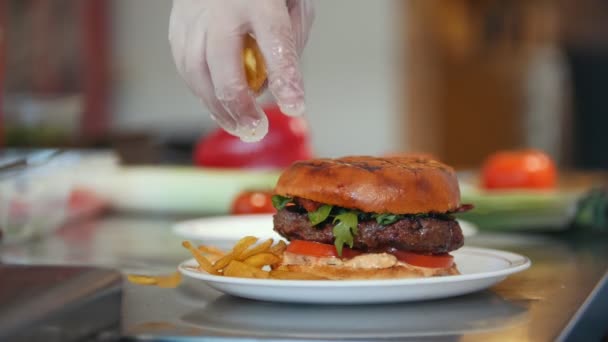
(206, 39)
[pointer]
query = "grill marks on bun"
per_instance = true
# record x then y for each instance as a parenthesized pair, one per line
(399, 185)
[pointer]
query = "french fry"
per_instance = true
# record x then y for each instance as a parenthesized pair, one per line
(223, 262)
(242, 245)
(278, 248)
(141, 279)
(203, 263)
(289, 275)
(261, 248)
(211, 250)
(169, 281)
(259, 274)
(242, 270)
(163, 281)
(262, 259)
(245, 260)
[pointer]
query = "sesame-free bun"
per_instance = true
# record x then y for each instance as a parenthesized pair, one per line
(359, 273)
(396, 185)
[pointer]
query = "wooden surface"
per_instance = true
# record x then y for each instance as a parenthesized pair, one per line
(465, 75)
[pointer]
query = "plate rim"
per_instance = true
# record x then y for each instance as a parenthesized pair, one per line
(178, 227)
(517, 263)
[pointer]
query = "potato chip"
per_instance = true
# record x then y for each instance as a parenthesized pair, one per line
(254, 65)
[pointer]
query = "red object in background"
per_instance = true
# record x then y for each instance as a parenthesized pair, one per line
(96, 51)
(85, 203)
(287, 141)
(3, 8)
(253, 202)
(523, 169)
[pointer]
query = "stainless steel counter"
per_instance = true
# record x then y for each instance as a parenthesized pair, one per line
(560, 296)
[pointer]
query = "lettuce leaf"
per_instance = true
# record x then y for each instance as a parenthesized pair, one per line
(345, 230)
(319, 215)
(279, 202)
(386, 219)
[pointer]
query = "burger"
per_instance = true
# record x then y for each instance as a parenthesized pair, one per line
(363, 217)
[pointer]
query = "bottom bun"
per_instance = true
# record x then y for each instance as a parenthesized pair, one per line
(342, 272)
(349, 273)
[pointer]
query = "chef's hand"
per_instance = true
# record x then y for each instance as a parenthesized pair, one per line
(206, 39)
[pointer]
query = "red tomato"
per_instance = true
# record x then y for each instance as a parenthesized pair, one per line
(317, 249)
(423, 260)
(253, 202)
(519, 169)
(287, 141)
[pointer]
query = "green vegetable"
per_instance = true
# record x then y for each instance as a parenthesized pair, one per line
(386, 219)
(592, 210)
(345, 230)
(279, 202)
(320, 214)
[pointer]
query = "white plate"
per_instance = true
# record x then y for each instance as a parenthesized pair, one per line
(480, 268)
(232, 228)
(227, 228)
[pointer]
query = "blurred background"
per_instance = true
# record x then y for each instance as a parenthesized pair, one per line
(458, 79)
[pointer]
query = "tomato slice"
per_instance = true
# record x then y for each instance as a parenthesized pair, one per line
(422, 260)
(320, 250)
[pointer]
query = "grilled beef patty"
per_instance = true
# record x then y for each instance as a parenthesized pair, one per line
(429, 235)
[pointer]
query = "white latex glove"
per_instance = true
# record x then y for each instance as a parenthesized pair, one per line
(206, 39)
